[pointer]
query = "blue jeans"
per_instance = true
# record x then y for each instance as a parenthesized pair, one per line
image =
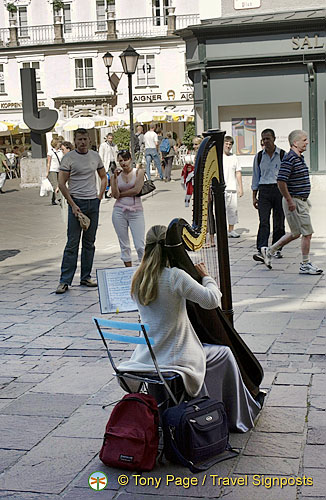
(152, 154)
(70, 254)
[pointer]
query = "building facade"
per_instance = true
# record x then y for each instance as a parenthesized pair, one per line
(258, 71)
(66, 49)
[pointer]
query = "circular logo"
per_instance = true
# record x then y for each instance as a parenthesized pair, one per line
(97, 481)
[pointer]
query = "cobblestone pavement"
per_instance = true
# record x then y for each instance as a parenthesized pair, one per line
(55, 377)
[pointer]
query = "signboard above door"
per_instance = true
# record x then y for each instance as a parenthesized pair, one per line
(246, 4)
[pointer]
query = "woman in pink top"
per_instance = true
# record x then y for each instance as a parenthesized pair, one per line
(126, 183)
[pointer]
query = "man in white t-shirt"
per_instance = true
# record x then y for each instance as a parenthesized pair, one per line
(152, 151)
(54, 158)
(233, 183)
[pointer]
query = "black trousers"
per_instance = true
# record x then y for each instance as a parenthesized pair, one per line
(269, 199)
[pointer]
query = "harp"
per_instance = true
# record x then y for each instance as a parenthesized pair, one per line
(215, 326)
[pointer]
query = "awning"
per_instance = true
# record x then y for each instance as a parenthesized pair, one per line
(166, 114)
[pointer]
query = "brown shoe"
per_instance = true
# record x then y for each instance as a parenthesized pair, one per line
(89, 282)
(62, 288)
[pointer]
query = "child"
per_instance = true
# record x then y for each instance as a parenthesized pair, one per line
(187, 178)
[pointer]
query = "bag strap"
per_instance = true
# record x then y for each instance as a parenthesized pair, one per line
(206, 465)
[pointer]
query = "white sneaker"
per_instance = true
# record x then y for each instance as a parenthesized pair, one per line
(233, 234)
(267, 255)
(309, 268)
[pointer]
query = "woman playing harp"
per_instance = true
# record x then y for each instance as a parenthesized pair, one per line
(161, 293)
(214, 326)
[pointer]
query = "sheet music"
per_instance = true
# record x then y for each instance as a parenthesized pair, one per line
(114, 289)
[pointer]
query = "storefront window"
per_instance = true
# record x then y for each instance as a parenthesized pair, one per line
(2, 79)
(36, 66)
(244, 134)
(146, 70)
(84, 73)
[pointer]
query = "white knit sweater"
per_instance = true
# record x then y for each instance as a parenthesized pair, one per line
(177, 347)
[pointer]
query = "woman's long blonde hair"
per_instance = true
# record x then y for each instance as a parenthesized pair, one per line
(144, 285)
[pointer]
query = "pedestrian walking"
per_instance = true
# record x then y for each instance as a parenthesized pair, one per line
(294, 183)
(3, 171)
(79, 168)
(108, 153)
(126, 183)
(152, 151)
(168, 149)
(54, 158)
(264, 182)
(187, 178)
(233, 185)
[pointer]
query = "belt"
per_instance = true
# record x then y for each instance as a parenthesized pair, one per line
(266, 185)
(299, 197)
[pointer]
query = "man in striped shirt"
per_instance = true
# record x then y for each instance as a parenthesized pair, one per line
(294, 183)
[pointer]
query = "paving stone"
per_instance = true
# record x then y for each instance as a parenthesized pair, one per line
(268, 465)
(318, 384)
(292, 379)
(318, 488)
(262, 444)
(78, 424)
(8, 457)
(52, 405)
(259, 343)
(16, 389)
(88, 494)
(282, 420)
(10, 495)
(289, 347)
(257, 491)
(318, 402)
(314, 456)
(48, 342)
(290, 335)
(12, 430)
(51, 465)
(291, 396)
(261, 322)
(75, 380)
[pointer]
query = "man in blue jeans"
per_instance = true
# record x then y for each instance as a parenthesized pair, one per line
(79, 168)
(152, 151)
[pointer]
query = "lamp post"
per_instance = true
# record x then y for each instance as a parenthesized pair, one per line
(129, 60)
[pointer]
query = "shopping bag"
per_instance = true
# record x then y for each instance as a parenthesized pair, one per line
(46, 187)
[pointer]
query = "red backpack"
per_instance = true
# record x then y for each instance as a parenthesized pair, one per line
(131, 434)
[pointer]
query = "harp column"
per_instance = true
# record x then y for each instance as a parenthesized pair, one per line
(218, 187)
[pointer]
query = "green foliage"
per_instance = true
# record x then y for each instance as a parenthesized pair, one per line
(57, 5)
(189, 134)
(111, 2)
(121, 137)
(11, 8)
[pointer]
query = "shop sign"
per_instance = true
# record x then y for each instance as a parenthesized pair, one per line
(18, 105)
(187, 96)
(184, 96)
(246, 4)
(307, 42)
(147, 97)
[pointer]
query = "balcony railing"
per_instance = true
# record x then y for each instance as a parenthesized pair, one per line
(141, 27)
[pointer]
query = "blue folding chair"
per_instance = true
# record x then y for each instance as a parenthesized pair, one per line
(148, 379)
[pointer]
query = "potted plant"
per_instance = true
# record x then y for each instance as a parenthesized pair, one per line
(111, 7)
(12, 9)
(57, 6)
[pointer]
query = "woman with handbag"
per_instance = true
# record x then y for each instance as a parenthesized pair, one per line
(161, 293)
(126, 183)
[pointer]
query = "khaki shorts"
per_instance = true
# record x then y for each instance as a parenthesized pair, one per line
(298, 220)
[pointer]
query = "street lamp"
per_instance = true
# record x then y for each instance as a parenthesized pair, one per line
(129, 59)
